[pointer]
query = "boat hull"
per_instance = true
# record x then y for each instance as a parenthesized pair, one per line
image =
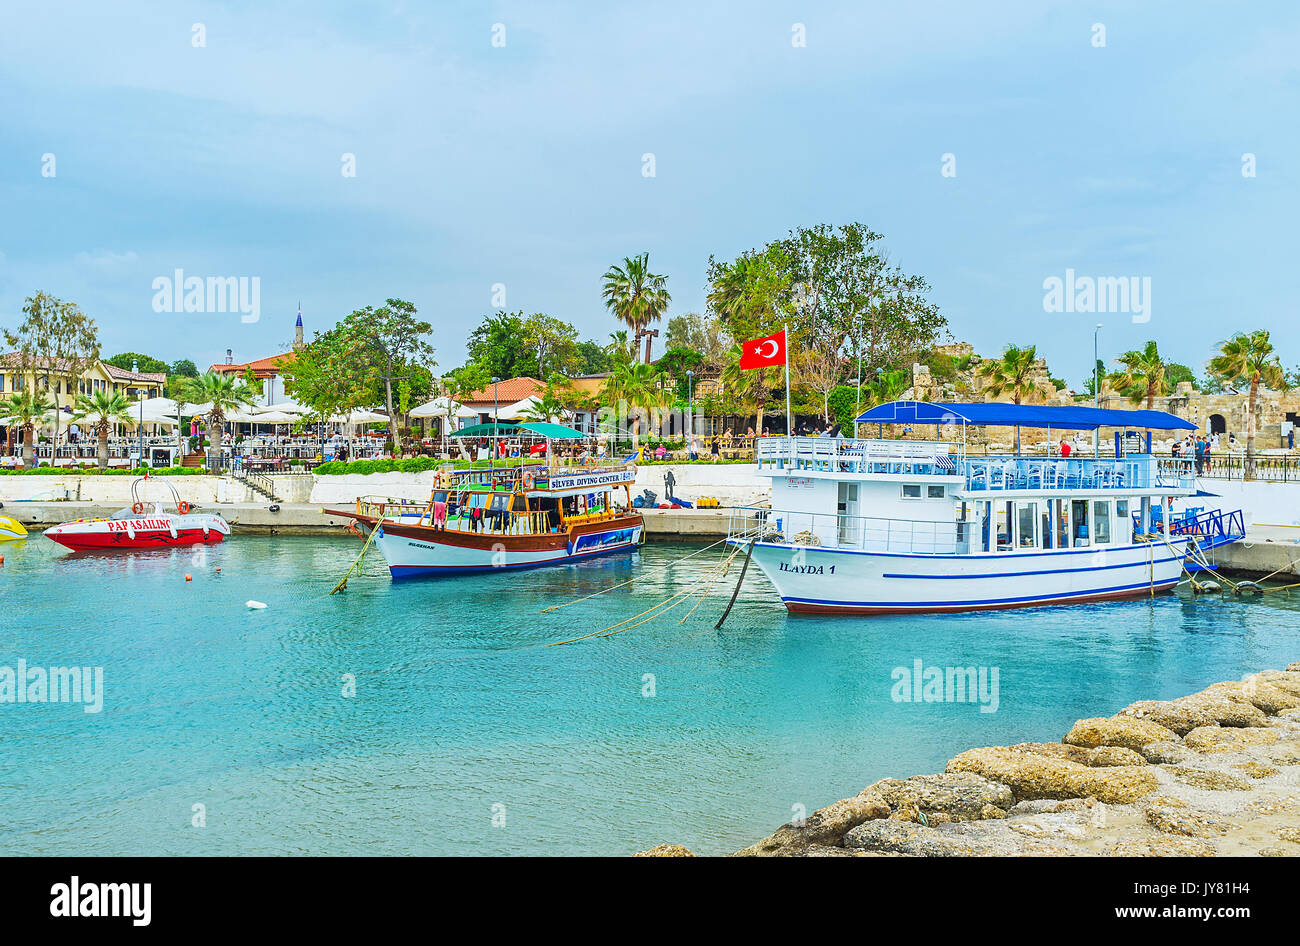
(146, 533)
(831, 581)
(420, 551)
(11, 529)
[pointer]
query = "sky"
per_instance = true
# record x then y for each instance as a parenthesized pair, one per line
(994, 145)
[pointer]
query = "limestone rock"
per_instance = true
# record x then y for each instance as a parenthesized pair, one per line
(1165, 752)
(1207, 779)
(1260, 693)
(1289, 833)
(1114, 755)
(962, 796)
(1030, 775)
(1160, 845)
(1175, 817)
(665, 850)
(1200, 709)
(1256, 769)
(1128, 732)
(826, 826)
(959, 839)
(1209, 739)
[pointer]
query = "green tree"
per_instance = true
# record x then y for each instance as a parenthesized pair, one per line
(26, 410)
(184, 368)
(634, 388)
(102, 410)
(637, 297)
(496, 345)
(1249, 358)
(1176, 374)
(1143, 375)
(55, 344)
(146, 363)
(217, 394)
(391, 341)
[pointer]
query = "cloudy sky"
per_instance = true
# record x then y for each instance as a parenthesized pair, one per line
(522, 164)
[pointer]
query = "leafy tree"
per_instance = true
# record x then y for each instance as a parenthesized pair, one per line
(55, 344)
(391, 341)
(331, 375)
(103, 410)
(637, 297)
(26, 410)
(1176, 374)
(1249, 358)
(146, 363)
(221, 393)
(1143, 375)
(497, 347)
(701, 333)
(591, 358)
(184, 368)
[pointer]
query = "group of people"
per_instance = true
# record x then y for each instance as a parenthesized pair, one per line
(1201, 449)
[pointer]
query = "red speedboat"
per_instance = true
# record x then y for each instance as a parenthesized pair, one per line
(144, 525)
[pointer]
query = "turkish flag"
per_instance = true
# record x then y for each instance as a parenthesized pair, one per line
(763, 352)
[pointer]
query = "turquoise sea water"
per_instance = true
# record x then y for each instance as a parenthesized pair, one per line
(467, 737)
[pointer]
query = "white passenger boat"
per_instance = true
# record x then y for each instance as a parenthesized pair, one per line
(889, 526)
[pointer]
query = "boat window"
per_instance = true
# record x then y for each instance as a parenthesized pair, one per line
(1062, 523)
(1121, 508)
(911, 491)
(1101, 522)
(1025, 525)
(934, 492)
(1079, 522)
(1045, 527)
(1004, 526)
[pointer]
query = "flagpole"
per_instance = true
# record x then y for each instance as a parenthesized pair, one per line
(789, 418)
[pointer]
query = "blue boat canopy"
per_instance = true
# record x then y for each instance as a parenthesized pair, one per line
(992, 414)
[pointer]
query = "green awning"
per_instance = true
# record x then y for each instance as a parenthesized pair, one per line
(485, 430)
(554, 431)
(538, 429)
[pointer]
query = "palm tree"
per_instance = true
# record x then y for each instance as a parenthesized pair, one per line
(221, 393)
(635, 386)
(26, 410)
(552, 403)
(1249, 356)
(1143, 377)
(103, 409)
(636, 296)
(1012, 374)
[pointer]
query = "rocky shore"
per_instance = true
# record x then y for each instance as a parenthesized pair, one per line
(1214, 773)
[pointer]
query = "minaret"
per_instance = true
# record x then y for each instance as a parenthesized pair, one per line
(297, 332)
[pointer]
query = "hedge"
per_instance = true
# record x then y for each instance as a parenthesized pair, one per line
(95, 471)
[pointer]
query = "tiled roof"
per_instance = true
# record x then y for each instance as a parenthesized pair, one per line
(263, 366)
(122, 374)
(507, 392)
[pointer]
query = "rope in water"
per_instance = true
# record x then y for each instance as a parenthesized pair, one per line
(655, 610)
(621, 584)
(356, 565)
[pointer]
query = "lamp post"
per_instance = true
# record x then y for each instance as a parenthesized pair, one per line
(690, 411)
(135, 368)
(496, 425)
(1096, 391)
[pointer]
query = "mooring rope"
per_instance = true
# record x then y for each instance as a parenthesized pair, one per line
(356, 565)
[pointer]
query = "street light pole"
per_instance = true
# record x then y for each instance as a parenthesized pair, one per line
(1096, 392)
(135, 369)
(690, 411)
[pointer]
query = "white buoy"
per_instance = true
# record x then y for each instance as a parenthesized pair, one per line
(254, 605)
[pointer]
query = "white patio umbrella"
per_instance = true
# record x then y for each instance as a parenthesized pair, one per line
(273, 417)
(442, 407)
(359, 417)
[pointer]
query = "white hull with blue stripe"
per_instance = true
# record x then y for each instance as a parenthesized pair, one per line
(822, 580)
(887, 526)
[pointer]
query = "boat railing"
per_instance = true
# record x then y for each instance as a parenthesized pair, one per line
(862, 533)
(848, 455)
(1133, 472)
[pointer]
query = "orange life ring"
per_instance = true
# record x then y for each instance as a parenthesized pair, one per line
(183, 508)
(137, 508)
(528, 479)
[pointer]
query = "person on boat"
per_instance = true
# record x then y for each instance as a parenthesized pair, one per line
(1065, 448)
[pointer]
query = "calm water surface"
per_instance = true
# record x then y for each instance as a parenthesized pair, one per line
(462, 720)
